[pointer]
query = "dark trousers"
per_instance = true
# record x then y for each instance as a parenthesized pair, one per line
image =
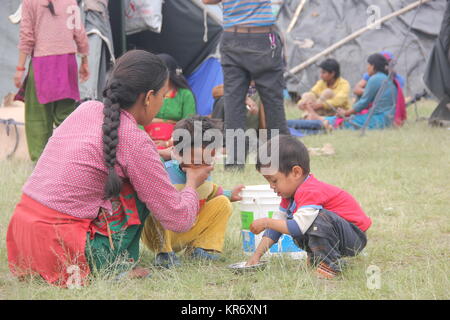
(246, 57)
(331, 237)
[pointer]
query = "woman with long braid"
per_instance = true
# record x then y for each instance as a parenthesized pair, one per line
(81, 208)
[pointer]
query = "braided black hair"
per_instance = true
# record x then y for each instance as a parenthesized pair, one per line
(134, 74)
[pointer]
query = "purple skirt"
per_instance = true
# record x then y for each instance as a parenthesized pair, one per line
(56, 78)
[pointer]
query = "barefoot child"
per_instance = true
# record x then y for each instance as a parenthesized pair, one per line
(207, 235)
(324, 220)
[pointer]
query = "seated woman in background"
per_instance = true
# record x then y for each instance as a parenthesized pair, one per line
(329, 93)
(179, 104)
(389, 105)
(358, 90)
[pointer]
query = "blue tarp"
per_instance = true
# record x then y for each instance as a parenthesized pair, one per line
(202, 81)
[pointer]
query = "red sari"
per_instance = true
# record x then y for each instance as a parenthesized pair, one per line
(45, 242)
(48, 243)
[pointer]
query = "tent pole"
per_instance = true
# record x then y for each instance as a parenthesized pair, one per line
(117, 19)
(123, 37)
(354, 35)
(295, 18)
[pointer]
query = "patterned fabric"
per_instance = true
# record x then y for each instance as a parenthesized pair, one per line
(247, 13)
(125, 214)
(117, 250)
(70, 175)
(42, 34)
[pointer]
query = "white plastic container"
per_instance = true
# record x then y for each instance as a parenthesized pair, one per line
(260, 202)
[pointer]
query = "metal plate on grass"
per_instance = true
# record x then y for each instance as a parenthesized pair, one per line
(240, 267)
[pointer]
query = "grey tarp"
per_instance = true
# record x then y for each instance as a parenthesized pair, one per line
(9, 54)
(182, 37)
(437, 75)
(325, 22)
(183, 33)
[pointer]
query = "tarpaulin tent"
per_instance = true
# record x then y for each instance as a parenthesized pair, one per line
(190, 33)
(323, 23)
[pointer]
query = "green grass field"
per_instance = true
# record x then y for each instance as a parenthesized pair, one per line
(400, 177)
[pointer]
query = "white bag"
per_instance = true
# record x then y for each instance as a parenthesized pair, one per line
(141, 15)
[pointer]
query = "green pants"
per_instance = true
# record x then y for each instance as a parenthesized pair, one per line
(100, 255)
(40, 119)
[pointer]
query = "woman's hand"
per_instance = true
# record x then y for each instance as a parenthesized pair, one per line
(166, 154)
(84, 71)
(341, 113)
(196, 175)
(235, 193)
(162, 143)
(259, 225)
(18, 78)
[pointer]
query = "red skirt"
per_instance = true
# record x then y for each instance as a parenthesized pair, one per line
(45, 242)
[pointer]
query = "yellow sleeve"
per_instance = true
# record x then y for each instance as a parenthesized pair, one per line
(318, 88)
(341, 97)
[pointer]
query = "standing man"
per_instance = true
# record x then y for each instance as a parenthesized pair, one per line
(250, 50)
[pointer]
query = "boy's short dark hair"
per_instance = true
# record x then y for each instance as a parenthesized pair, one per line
(331, 65)
(190, 124)
(292, 152)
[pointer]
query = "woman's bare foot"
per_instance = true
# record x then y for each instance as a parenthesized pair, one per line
(138, 273)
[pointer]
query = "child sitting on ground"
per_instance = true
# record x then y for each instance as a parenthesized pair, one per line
(206, 237)
(324, 220)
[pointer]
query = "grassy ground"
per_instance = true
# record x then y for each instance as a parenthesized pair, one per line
(401, 179)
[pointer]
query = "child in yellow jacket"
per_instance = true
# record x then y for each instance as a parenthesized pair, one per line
(205, 239)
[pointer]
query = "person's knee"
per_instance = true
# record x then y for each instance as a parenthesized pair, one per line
(147, 234)
(223, 204)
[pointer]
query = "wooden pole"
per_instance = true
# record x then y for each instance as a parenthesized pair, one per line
(295, 18)
(354, 35)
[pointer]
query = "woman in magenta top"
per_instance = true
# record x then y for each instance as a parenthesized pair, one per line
(51, 33)
(84, 205)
